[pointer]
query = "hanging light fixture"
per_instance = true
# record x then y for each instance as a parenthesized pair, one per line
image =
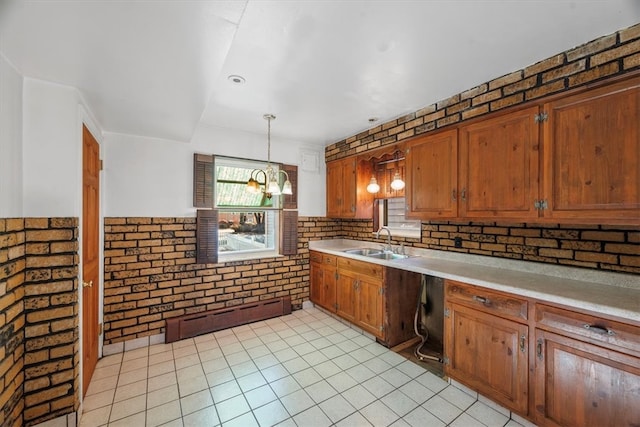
(373, 186)
(270, 186)
(397, 183)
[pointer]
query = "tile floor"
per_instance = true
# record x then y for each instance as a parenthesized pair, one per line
(304, 369)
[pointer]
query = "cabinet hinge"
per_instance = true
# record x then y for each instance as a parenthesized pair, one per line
(100, 329)
(101, 164)
(381, 291)
(447, 312)
(540, 204)
(542, 117)
(381, 328)
(336, 306)
(336, 275)
(445, 360)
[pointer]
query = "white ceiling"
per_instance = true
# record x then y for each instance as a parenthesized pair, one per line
(159, 67)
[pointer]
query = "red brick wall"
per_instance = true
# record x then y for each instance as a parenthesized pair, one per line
(150, 274)
(39, 319)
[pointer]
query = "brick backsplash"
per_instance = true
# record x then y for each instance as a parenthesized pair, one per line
(39, 320)
(607, 56)
(150, 274)
(615, 248)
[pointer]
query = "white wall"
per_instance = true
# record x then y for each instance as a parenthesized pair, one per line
(151, 177)
(52, 152)
(11, 83)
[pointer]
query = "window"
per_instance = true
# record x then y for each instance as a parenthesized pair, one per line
(242, 225)
(390, 213)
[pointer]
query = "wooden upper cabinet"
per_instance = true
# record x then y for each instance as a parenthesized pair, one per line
(347, 196)
(592, 155)
(432, 176)
(499, 166)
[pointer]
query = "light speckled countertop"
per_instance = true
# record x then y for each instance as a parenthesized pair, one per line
(599, 291)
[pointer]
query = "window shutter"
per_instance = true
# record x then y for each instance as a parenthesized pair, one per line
(203, 171)
(207, 236)
(289, 232)
(291, 202)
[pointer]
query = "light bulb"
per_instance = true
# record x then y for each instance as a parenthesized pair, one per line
(373, 186)
(397, 183)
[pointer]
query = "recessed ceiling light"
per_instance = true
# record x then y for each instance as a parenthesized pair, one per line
(373, 119)
(235, 79)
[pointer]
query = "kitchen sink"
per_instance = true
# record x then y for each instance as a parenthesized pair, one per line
(388, 256)
(364, 251)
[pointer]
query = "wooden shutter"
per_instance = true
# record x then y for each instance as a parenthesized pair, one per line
(203, 172)
(207, 236)
(289, 232)
(291, 202)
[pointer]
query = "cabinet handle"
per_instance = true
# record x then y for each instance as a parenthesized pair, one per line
(599, 329)
(463, 194)
(539, 348)
(482, 300)
(454, 195)
(523, 340)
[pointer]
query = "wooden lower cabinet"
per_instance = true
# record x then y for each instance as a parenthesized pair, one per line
(581, 384)
(489, 354)
(323, 279)
(379, 300)
(550, 364)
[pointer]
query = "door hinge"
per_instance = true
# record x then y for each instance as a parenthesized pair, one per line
(99, 328)
(447, 312)
(381, 328)
(542, 117)
(101, 164)
(540, 204)
(445, 360)
(381, 291)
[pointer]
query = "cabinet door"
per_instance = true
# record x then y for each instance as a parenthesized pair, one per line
(329, 288)
(432, 176)
(580, 384)
(499, 167)
(592, 153)
(346, 296)
(489, 354)
(349, 188)
(316, 283)
(334, 189)
(369, 308)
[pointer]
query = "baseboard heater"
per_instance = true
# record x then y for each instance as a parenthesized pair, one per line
(191, 325)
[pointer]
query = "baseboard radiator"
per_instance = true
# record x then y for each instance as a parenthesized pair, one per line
(191, 325)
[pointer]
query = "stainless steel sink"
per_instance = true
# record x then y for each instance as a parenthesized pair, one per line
(388, 256)
(363, 251)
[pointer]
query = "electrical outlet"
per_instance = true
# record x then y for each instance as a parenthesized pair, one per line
(457, 242)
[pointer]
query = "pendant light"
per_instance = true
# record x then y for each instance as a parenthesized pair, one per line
(373, 186)
(397, 183)
(270, 176)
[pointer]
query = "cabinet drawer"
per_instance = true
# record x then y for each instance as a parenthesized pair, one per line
(486, 300)
(607, 333)
(361, 267)
(323, 258)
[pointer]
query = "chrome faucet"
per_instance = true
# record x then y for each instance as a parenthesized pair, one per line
(388, 236)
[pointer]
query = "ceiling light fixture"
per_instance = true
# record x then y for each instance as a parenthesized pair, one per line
(397, 183)
(236, 79)
(270, 186)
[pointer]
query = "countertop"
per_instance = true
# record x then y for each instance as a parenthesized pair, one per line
(602, 292)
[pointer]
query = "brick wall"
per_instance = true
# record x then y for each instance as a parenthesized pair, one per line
(52, 359)
(615, 54)
(12, 266)
(39, 346)
(615, 248)
(150, 274)
(602, 247)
